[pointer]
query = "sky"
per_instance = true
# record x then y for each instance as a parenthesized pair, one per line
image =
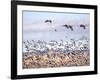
(35, 28)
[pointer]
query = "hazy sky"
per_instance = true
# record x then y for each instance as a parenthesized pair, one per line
(30, 17)
(34, 27)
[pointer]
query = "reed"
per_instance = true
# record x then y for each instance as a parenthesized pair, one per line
(55, 59)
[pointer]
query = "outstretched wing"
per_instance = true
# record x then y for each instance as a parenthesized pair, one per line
(71, 27)
(48, 21)
(83, 26)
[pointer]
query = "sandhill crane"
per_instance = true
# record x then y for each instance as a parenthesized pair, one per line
(83, 26)
(68, 26)
(71, 27)
(48, 21)
(55, 30)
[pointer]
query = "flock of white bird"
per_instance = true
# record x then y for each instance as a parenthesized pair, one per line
(62, 46)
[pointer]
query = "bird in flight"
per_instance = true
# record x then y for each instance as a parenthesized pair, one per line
(68, 26)
(48, 21)
(55, 30)
(83, 26)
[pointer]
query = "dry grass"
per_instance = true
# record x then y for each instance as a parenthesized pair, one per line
(51, 59)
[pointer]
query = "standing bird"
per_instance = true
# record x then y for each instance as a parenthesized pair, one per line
(49, 21)
(83, 26)
(68, 26)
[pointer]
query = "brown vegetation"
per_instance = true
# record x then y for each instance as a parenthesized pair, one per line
(51, 59)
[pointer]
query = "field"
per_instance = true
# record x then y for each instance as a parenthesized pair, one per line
(55, 59)
(55, 39)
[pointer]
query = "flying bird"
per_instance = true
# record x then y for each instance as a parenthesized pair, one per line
(83, 26)
(71, 27)
(55, 30)
(48, 21)
(68, 26)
